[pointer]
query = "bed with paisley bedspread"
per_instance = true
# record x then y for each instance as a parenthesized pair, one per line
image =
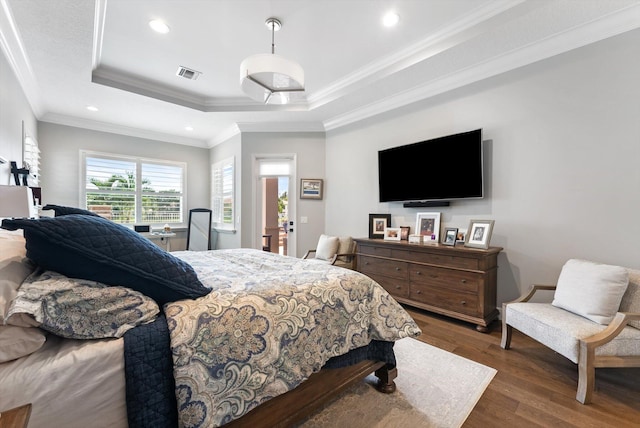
(258, 337)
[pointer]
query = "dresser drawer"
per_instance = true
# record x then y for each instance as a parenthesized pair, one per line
(453, 280)
(374, 251)
(396, 287)
(442, 260)
(390, 268)
(458, 302)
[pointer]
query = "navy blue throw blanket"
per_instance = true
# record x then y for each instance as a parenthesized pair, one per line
(151, 399)
(148, 365)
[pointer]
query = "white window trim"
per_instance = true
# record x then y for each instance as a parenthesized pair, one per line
(138, 193)
(217, 224)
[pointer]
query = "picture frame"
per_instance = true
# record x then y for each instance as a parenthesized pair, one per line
(428, 226)
(479, 234)
(450, 236)
(311, 188)
(404, 233)
(392, 233)
(377, 224)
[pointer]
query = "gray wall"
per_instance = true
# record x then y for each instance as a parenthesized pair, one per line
(14, 109)
(230, 148)
(60, 149)
(309, 148)
(562, 162)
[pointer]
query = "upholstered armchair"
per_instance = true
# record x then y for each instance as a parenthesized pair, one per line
(594, 319)
(338, 251)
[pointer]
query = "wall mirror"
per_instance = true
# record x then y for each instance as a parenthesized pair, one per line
(199, 230)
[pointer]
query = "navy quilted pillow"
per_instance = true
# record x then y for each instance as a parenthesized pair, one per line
(91, 247)
(59, 210)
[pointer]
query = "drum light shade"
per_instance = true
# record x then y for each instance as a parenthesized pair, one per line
(271, 78)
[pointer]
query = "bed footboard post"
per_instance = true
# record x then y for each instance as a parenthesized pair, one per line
(386, 374)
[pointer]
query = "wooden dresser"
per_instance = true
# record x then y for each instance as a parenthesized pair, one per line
(459, 282)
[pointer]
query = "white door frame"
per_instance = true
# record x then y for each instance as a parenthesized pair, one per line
(256, 191)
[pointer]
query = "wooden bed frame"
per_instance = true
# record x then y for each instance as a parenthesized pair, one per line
(297, 404)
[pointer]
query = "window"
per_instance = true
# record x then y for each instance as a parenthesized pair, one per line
(132, 190)
(222, 201)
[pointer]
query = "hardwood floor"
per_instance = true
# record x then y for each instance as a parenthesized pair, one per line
(534, 386)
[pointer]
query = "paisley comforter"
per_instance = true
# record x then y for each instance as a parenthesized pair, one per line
(268, 324)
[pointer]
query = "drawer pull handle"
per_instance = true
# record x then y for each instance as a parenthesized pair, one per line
(419, 292)
(397, 268)
(463, 302)
(464, 281)
(418, 273)
(397, 287)
(366, 263)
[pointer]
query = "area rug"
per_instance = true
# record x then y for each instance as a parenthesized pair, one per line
(435, 389)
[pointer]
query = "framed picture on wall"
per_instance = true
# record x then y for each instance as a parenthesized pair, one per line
(310, 188)
(377, 224)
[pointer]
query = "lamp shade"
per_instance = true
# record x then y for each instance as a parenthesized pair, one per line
(272, 79)
(17, 202)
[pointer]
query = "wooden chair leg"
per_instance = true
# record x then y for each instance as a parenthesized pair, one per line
(507, 330)
(586, 375)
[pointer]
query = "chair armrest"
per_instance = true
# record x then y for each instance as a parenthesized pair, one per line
(335, 257)
(614, 328)
(534, 288)
(308, 253)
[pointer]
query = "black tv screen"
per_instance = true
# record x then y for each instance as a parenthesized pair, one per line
(441, 169)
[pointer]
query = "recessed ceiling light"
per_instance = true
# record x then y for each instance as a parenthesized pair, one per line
(159, 26)
(390, 19)
(189, 128)
(92, 108)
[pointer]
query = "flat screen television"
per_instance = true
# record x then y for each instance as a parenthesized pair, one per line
(441, 169)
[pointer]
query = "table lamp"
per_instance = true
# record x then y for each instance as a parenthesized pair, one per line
(17, 202)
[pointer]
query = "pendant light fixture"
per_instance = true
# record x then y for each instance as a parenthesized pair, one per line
(271, 78)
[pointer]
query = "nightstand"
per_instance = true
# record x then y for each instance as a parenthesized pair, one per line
(17, 417)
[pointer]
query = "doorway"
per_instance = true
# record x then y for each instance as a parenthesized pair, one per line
(275, 213)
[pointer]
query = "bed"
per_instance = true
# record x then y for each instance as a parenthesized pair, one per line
(135, 336)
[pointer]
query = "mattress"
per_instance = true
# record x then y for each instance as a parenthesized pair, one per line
(55, 380)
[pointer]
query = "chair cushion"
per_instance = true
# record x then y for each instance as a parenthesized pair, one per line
(631, 299)
(327, 247)
(562, 330)
(591, 290)
(346, 245)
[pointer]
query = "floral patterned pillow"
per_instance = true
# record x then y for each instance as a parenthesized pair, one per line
(78, 308)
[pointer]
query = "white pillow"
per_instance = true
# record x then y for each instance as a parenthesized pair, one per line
(14, 268)
(18, 342)
(327, 247)
(591, 290)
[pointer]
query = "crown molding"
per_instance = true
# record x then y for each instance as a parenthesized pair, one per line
(611, 25)
(76, 122)
(13, 48)
(447, 37)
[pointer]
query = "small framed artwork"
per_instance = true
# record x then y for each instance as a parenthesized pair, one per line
(377, 224)
(392, 233)
(428, 226)
(404, 232)
(450, 236)
(310, 188)
(479, 233)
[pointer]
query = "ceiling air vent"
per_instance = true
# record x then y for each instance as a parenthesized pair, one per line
(187, 73)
